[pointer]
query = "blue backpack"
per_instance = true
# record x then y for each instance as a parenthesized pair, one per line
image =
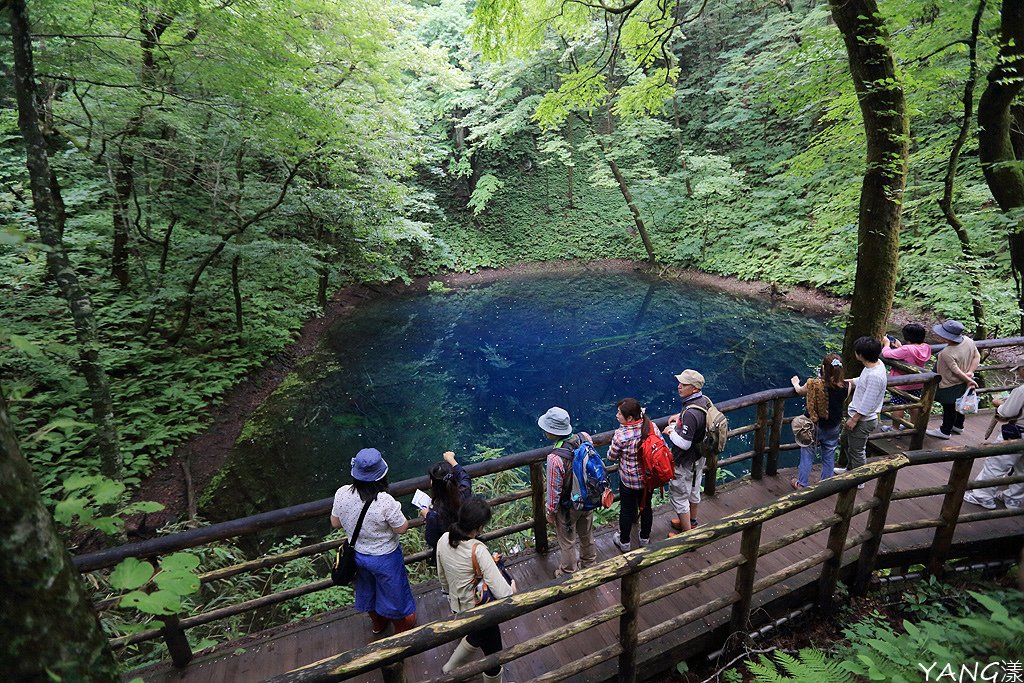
(583, 488)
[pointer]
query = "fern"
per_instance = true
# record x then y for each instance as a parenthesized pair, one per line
(809, 666)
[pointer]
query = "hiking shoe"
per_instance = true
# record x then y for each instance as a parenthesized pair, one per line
(974, 500)
(839, 470)
(644, 541)
(623, 547)
(958, 430)
(937, 433)
(860, 486)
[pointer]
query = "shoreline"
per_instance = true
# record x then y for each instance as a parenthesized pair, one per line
(195, 463)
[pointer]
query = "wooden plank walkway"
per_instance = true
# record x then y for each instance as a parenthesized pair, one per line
(280, 650)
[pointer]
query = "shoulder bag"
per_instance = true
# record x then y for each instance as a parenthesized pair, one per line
(344, 568)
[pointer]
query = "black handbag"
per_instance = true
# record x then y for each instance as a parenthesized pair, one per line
(344, 568)
(1011, 431)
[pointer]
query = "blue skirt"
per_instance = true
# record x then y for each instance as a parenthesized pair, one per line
(382, 585)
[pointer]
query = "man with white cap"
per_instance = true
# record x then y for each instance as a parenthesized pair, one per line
(685, 432)
(569, 523)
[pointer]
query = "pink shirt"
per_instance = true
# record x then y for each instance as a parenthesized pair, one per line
(911, 354)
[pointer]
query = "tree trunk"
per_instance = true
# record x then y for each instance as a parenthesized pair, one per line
(880, 92)
(999, 162)
(946, 201)
(628, 196)
(236, 289)
(48, 631)
(60, 269)
(122, 223)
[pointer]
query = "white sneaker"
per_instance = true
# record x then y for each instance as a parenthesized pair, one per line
(644, 542)
(937, 433)
(1013, 504)
(958, 430)
(623, 547)
(839, 470)
(860, 486)
(886, 428)
(973, 500)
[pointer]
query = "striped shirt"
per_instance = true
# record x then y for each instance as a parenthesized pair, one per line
(626, 449)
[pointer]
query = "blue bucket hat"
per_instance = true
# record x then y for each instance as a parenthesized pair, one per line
(369, 465)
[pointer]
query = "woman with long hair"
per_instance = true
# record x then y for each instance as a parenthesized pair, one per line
(461, 561)
(825, 397)
(450, 487)
(382, 583)
(634, 426)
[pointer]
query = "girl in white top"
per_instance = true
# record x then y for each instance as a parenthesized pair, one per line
(455, 552)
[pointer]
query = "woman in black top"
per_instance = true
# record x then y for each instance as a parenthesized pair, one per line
(450, 487)
(825, 398)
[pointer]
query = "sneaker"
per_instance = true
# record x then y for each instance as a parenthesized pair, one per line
(644, 542)
(623, 547)
(860, 486)
(1013, 504)
(839, 470)
(694, 523)
(886, 428)
(937, 433)
(973, 500)
(958, 430)
(795, 484)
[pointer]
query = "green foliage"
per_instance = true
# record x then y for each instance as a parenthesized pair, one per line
(175, 579)
(90, 502)
(486, 187)
(810, 666)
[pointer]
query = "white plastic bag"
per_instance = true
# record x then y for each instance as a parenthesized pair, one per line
(968, 403)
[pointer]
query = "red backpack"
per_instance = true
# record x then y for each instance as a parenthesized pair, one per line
(655, 458)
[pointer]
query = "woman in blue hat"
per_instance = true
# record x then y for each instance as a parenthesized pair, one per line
(382, 583)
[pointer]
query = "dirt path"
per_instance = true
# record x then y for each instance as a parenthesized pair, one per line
(202, 456)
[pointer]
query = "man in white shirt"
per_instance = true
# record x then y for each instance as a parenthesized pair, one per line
(868, 395)
(1009, 411)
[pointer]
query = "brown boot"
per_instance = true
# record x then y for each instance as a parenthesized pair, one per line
(405, 623)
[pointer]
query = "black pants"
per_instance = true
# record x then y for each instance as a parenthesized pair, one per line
(489, 640)
(950, 418)
(629, 507)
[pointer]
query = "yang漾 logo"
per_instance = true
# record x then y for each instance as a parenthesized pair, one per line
(992, 672)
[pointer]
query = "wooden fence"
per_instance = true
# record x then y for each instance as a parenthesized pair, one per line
(767, 444)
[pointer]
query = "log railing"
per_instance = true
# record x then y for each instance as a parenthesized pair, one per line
(388, 653)
(770, 406)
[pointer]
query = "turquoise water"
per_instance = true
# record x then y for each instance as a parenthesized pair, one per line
(417, 375)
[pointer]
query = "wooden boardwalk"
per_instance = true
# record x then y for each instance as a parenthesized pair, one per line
(280, 650)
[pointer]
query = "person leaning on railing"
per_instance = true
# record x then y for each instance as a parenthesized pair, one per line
(450, 487)
(825, 397)
(382, 583)
(868, 396)
(1008, 412)
(914, 351)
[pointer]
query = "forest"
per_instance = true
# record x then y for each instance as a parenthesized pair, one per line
(184, 184)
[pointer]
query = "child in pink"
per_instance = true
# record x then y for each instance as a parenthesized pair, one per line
(912, 352)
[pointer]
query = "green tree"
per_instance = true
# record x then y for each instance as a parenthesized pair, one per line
(49, 630)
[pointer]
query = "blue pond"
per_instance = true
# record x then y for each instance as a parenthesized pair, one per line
(420, 374)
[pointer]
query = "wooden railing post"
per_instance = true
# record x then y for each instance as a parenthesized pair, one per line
(876, 521)
(943, 539)
(711, 474)
(745, 578)
(836, 542)
(778, 410)
(177, 643)
(393, 673)
(539, 494)
(921, 424)
(757, 461)
(629, 626)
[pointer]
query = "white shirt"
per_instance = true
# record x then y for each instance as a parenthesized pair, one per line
(1013, 404)
(455, 570)
(869, 392)
(377, 535)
